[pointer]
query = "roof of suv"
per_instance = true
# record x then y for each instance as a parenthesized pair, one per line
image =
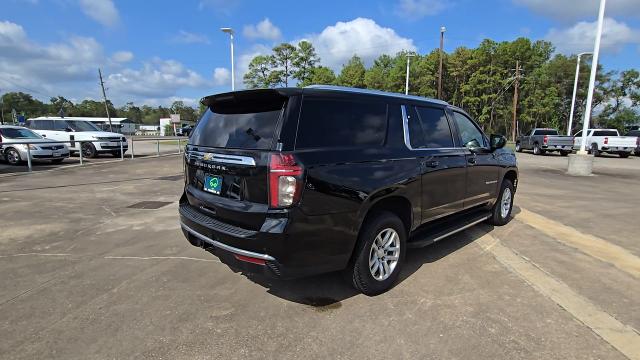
(290, 91)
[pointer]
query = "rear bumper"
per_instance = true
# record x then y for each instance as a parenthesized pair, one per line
(617, 149)
(558, 147)
(287, 247)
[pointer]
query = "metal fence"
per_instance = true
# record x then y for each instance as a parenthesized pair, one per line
(133, 140)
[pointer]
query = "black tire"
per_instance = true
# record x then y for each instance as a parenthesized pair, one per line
(518, 147)
(565, 153)
(537, 150)
(624, 155)
(359, 271)
(88, 150)
(115, 153)
(12, 156)
(594, 150)
(497, 218)
(57, 161)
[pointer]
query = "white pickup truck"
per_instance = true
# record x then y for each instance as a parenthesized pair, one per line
(606, 141)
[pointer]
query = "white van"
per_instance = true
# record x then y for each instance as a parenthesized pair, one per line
(82, 134)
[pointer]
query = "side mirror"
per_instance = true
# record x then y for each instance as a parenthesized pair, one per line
(497, 141)
(475, 147)
(68, 129)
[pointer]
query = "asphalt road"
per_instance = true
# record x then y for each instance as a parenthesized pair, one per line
(86, 276)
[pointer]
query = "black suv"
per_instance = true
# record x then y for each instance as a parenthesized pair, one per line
(292, 182)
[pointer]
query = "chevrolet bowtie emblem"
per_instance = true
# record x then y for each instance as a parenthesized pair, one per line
(207, 156)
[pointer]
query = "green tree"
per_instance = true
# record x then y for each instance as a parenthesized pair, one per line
(352, 73)
(320, 75)
(378, 76)
(282, 63)
(259, 74)
(304, 62)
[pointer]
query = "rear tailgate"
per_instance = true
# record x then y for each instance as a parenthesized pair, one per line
(621, 141)
(227, 160)
(559, 140)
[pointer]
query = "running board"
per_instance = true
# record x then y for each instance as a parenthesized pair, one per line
(442, 229)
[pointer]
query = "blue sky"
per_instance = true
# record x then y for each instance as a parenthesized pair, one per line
(154, 52)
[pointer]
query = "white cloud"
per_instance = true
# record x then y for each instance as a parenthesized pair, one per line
(262, 30)
(122, 56)
(186, 37)
(336, 44)
(566, 9)
(416, 9)
(581, 36)
(245, 59)
(156, 78)
(70, 68)
(221, 76)
(102, 11)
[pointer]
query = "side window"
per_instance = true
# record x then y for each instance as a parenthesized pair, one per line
(437, 133)
(579, 133)
(341, 123)
(416, 133)
(59, 125)
(468, 130)
(44, 124)
(29, 124)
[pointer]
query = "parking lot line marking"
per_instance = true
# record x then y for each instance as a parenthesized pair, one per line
(588, 244)
(622, 337)
(33, 254)
(159, 258)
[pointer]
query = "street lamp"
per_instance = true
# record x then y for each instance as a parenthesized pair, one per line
(233, 75)
(406, 84)
(442, 30)
(575, 89)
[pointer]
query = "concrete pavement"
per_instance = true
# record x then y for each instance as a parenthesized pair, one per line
(85, 276)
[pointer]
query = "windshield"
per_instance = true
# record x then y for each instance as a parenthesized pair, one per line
(17, 133)
(546, 132)
(79, 125)
(251, 130)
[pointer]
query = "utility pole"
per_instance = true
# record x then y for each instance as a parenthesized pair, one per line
(104, 95)
(515, 100)
(406, 84)
(442, 30)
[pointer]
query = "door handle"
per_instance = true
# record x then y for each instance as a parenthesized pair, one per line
(431, 163)
(472, 160)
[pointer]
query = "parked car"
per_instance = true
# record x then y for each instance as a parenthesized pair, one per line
(293, 182)
(606, 141)
(541, 140)
(184, 130)
(83, 135)
(15, 153)
(636, 134)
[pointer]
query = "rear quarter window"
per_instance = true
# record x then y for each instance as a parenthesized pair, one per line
(326, 123)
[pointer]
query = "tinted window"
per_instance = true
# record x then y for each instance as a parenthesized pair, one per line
(59, 125)
(338, 123)
(634, 133)
(468, 130)
(416, 134)
(546, 132)
(43, 124)
(579, 133)
(18, 133)
(79, 125)
(605, 133)
(435, 127)
(243, 130)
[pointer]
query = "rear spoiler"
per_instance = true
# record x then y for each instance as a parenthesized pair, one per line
(257, 100)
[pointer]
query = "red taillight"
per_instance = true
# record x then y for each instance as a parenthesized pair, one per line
(545, 139)
(250, 259)
(285, 183)
(606, 140)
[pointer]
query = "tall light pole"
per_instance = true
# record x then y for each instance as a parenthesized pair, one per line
(575, 89)
(233, 74)
(406, 84)
(592, 78)
(442, 30)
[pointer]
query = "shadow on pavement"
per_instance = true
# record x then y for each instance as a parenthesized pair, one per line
(327, 291)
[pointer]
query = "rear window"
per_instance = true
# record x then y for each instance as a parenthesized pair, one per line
(605, 133)
(341, 123)
(546, 132)
(237, 130)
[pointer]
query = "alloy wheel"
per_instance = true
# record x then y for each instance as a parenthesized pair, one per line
(384, 254)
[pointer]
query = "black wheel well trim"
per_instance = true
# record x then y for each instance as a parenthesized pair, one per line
(512, 175)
